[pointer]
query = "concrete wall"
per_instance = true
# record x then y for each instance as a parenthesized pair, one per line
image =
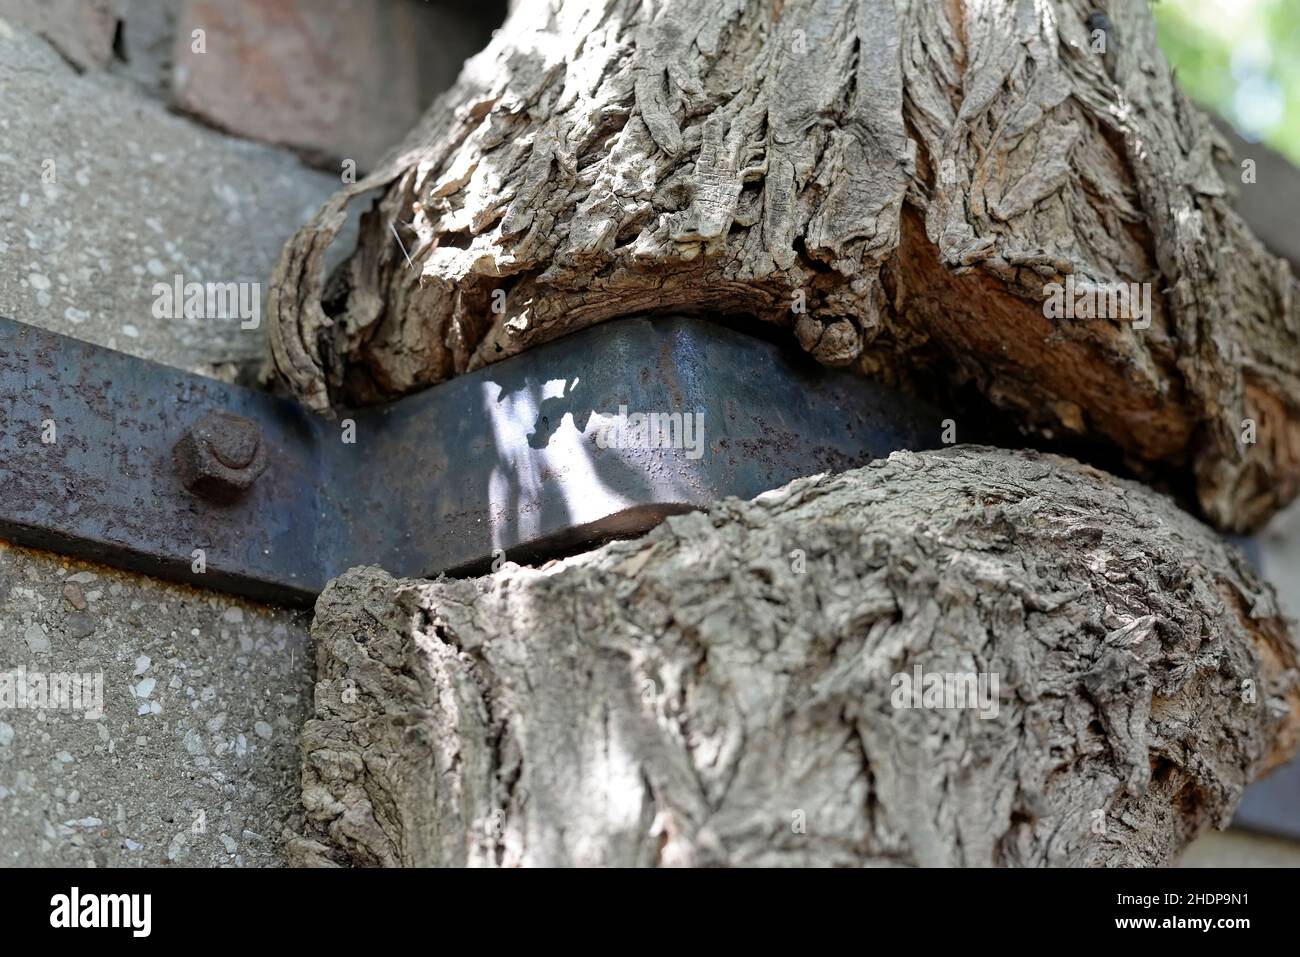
(192, 760)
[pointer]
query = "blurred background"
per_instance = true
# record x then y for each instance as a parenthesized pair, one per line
(1240, 60)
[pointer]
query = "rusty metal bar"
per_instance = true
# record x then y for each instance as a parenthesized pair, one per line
(113, 458)
(138, 465)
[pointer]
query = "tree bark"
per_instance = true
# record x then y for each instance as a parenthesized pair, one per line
(722, 690)
(896, 181)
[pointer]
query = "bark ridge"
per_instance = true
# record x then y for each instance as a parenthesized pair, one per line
(721, 691)
(896, 181)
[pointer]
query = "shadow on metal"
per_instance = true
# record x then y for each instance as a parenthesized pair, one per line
(506, 460)
(503, 460)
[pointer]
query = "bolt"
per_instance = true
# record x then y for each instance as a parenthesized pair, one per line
(220, 456)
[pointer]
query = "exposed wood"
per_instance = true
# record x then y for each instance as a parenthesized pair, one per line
(721, 691)
(911, 173)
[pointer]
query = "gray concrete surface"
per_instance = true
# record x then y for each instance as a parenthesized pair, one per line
(81, 30)
(193, 759)
(104, 193)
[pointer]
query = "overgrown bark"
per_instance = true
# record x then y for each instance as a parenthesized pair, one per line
(720, 691)
(912, 172)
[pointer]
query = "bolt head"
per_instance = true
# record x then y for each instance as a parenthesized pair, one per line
(220, 456)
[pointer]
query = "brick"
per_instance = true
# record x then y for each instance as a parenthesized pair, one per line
(332, 79)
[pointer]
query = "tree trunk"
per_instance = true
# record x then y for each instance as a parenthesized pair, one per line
(896, 181)
(725, 691)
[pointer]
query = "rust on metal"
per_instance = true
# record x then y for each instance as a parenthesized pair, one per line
(124, 461)
(220, 456)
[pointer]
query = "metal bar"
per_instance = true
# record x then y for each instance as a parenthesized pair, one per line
(86, 468)
(502, 460)
(1272, 804)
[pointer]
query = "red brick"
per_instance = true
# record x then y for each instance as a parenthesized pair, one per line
(333, 79)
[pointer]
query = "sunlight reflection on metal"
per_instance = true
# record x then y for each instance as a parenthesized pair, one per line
(505, 458)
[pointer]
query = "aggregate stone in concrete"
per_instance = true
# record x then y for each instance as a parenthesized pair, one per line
(104, 195)
(192, 759)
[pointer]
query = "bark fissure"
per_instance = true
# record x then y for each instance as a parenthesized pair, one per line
(604, 158)
(698, 697)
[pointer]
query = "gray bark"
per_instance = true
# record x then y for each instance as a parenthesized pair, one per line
(912, 173)
(720, 690)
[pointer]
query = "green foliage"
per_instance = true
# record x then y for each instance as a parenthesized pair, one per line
(1240, 58)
